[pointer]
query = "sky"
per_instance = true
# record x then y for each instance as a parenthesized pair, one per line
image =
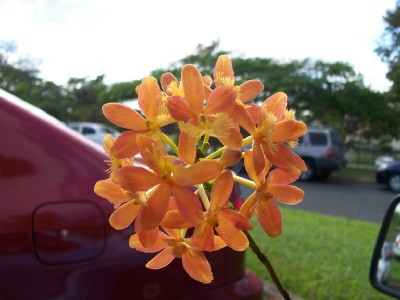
(126, 40)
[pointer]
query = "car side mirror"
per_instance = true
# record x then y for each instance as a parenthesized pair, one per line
(384, 272)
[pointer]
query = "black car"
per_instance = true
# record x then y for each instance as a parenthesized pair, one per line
(389, 174)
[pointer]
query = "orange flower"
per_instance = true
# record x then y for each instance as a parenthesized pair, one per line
(114, 153)
(155, 112)
(186, 103)
(224, 76)
(273, 186)
(275, 129)
(173, 245)
(227, 222)
(170, 176)
(146, 210)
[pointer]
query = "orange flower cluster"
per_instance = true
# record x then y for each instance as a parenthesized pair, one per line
(167, 195)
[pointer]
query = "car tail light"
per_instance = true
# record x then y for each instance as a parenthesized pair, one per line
(329, 153)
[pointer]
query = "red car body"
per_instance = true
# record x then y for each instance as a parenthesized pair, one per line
(55, 239)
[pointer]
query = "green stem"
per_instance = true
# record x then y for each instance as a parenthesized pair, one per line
(165, 139)
(265, 261)
(245, 182)
(203, 196)
(216, 153)
(247, 140)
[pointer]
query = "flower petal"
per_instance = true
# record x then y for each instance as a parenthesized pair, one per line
(124, 116)
(287, 194)
(259, 161)
(270, 218)
(220, 100)
(155, 209)
(250, 89)
(159, 245)
(230, 156)
(187, 147)
(218, 243)
(221, 190)
(193, 88)
(249, 207)
(161, 260)
(110, 191)
(125, 145)
(249, 166)
(223, 71)
(150, 97)
(196, 174)
(179, 109)
(152, 151)
(173, 219)
(287, 130)
(283, 176)
(203, 237)
(166, 79)
(187, 204)
(276, 104)
(233, 237)
(243, 117)
(124, 215)
(226, 130)
(235, 219)
(197, 266)
(148, 238)
(134, 179)
(285, 158)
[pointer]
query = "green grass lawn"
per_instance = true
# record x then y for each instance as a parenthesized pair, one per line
(319, 257)
(357, 173)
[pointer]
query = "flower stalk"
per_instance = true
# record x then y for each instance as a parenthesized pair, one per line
(266, 262)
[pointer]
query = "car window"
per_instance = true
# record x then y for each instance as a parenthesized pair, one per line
(336, 138)
(107, 130)
(88, 130)
(318, 139)
(301, 140)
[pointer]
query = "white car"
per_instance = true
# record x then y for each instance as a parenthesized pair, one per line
(93, 131)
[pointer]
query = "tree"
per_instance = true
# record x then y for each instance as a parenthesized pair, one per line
(389, 47)
(17, 75)
(121, 91)
(87, 97)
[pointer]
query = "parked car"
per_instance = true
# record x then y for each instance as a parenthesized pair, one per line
(93, 131)
(322, 150)
(55, 239)
(389, 174)
(382, 160)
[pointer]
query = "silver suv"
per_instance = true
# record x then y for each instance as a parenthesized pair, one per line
(322, 150)
(93, 131)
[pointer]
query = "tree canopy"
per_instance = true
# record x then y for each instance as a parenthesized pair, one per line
(389, 46)
(326, 93)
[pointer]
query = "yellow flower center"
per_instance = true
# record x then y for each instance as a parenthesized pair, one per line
(266, 196)
(225, 80)
(175, 89)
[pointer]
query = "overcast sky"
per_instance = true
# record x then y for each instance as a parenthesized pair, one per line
(126, 40)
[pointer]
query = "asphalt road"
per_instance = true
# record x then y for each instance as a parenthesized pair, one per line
(348, 199)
